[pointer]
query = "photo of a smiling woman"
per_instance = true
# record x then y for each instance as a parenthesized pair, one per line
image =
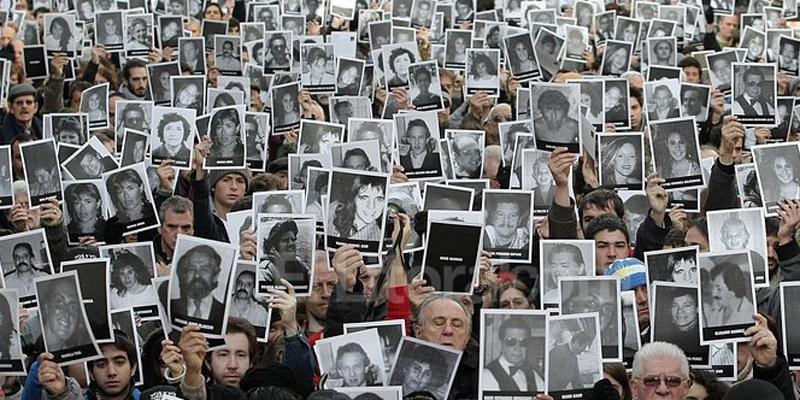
(227, 146)
(357, 203)
(621, 162)
(85, 212)
(130, 282)
(779, 174)
(173, 132)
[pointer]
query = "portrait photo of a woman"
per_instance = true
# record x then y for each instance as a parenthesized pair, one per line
(109, 30)
(616, 58)
(482, 71)
(399, 59)
(188, 95)
(357, 203)
(9, 335)
(59, 36)
(778, 172)
(128, 192)
(520, 53)
(227, 144)
(130, 282)
(621, 162)
(85, 211)
(456, 44)
(676, 153)
(173, 132)
(286, 107)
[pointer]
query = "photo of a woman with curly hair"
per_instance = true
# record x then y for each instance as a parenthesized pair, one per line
(59, 37)
(84, 212)
(676, 153)
(778, 172)
(482, 71)
(357, 201)
(130, 282)
(621, 161)
(227, 147)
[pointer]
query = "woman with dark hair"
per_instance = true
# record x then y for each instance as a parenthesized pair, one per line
(223, 100)
(679, 162)
(399, 60)
(289, 108)
(226, 138)
(130, 282)
(356, 214)
(424, 371)
(483, 73)
(187, 96)
(128, 195)
(682, 268)
(621, 163)
(8, 350)
(85, 208)
(316, 62)
(751, 196)
(173, 131)
(457, 53)
(59, 37)
(781, 176)
(280, 256)
(520, 54)
(615, 372)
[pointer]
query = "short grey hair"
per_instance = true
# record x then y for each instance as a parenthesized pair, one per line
(176, 204)
(419, 316)
(659, 350)
(493, 152)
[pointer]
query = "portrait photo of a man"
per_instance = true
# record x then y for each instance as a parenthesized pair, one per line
(726, 294)
(514, 354)
(754, 93)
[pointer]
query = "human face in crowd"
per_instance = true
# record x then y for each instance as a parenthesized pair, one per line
(229, 364)
(173, 224)
(227, 49)
(213, 13)
(735, 236)
(469, 155)
(460, 45)
(137, 81)
(418, 138)
(229, 189)
(553, 114)
(752, 85)
(401, 64)
(245, 283)
(625, 160)
(788, 53)
(662, 367)
(324, 284)
(612, 98)
(784, 170)
(228, 132)
(189, 51)
(23, 108)
(514, 345)
(514, 299)
(691, 74)
(70, 137)
(348, 77)
(418, 375)
(463, 9)
(541, 174)
(619, 60)
(609, 246)
(636, 112)
(676, 146)
(91, 164)
(691, 100)
(287, 245)
(352, 368)
(694, 237)
(564, 264)
(173, 134)
(684, 312)
(591, 211)
(127, 276)
(684, 271)
(86, 208)
(112, 374)
(506, 219)
(23, 259)
(423, 83)
(369, 204)
(56, 30)
(65, 312)
(444, 323)
(521, 51)
(198, 277)
(663, 99)
(344, 113)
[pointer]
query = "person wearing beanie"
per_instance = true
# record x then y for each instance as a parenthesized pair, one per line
(753, 389)
(215, 193)
(632, 275)
(21, 117)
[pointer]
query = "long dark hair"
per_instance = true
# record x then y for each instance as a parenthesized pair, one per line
(6, 328)
(66, 35)
(345, 212)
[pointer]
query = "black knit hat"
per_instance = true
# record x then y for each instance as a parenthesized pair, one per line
(271, 374)
(753, 389)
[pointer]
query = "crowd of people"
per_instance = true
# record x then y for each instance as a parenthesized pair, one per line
(395, 199)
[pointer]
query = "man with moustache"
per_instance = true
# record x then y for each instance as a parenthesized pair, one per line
(198, 275)
(226, 61)
(21, 278)
(243, 301)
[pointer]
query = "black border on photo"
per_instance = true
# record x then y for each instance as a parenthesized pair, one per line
(141, 49)
(558, 95)
(596, 287)
(269, 225)
(450, 35)
(285, 125)
(549, 296)
(342, 198)
(743, 111)
(199, 67)
(93, 276)
(445, 258)
(589, 326)
(101, 37)
(162, 117)
(6, 178)
(524, 229)
(149, 213)
(41, 154)
(664, 327)
(739, 260)
(687, 131)
(433, 101)
(472, 82)
(35, 65)
(214, 159)
(431, 167)
(411, 349)
(12, 363)
(608, 142)
(155, 72)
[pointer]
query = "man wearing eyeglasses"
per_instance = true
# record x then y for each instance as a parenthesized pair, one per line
(660, 371)
(21, 117)
(512, 371)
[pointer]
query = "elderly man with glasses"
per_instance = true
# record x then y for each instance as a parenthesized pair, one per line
(21, 117)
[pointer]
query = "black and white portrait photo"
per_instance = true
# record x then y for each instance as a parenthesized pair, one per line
(520, 56)
(138, 34)
(131, 272)
(159, 81)
(790, 317)
(676, 153)
(93, 281)
(572, 338)
(662, 51)
(188, 92)
(24, 257)
(396, 60)
(404, 198)
(285, 107)
(131, 202)
(621, 160)
(464, 11)
(508, 225)
(418, 149)
(424, 366)
(616, 103)
(536, 177)
(778, 173)
(245, 303)
(228, 55)
(356, 210)
(678, 265)
(456, 43)
(170, 30)
(298, 168)
(198, 289)
(61, 34)
(547, 46)
(6, 181)
(754, 93)
(70, 128)
(84, 213)
(695, 101)
(596, 294)
(379, 393)
(256, 130)
(676, 319)
(190, 53)
(361, 129)
(318, 137)
(352, 360)
(380, 33)
(318, 62)
(342, 8)
(349, 76)
(390, 333)
(719, 69)
(556, 111)
(172, 136)
(577, 42)
(109, 30)
(450, 265)
(279, 202)
(343, 108)
(513, 354)
(755, 41)
(562, 259)
(662, 99)
(741, 229)
(425, 89)
(787, 56)
(357, 155)
(466, 153)
(65, 327)
(278, 54)
(42, 171)
(11, 357)
(483, 71)
(422, 12)
(592, 101)
(227, 138)
(94, 103)
(285, 245)
(727, 296)
(365, 18)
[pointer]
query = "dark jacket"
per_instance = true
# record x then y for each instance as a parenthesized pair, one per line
(562, 221)
(10, 128)
(206, 224)
(777, 375)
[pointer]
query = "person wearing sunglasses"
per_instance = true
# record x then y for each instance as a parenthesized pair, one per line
(512, 371)
(660, 371)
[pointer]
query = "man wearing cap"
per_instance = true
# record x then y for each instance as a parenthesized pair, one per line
(21, 116)
(631, 273)
(215, 193)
